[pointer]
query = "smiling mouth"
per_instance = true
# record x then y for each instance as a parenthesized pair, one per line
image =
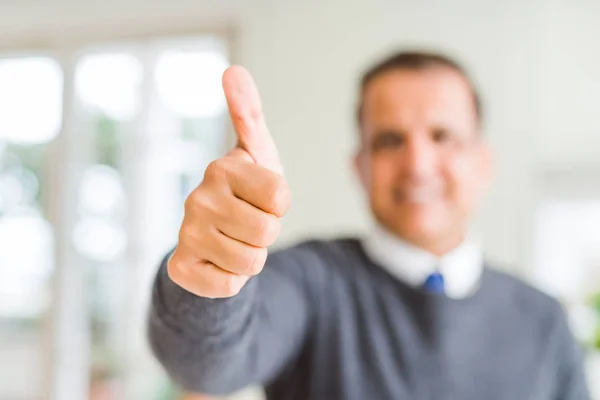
(417, 196)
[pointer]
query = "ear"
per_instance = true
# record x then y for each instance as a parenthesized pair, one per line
(361, 167)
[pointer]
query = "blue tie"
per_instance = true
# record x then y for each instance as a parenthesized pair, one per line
(434, 283)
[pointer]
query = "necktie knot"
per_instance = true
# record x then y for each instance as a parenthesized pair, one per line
(434, 283)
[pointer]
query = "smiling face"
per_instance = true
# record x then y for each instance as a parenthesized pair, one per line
(422, 160)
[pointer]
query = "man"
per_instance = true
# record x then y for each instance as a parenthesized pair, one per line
(410, 312)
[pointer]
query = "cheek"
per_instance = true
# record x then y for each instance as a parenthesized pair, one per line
(382, 174)
(463, 175)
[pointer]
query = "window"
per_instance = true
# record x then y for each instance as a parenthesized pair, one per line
(29, 86)
(141, 122)
(568, 247)
(567, 255)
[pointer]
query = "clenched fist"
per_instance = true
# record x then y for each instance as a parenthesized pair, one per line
(234, 214)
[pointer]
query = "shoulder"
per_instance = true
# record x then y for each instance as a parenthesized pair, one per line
(524, 301)
(529, 315)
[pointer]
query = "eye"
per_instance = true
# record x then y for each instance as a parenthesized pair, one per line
(387, 140)
(440, 135)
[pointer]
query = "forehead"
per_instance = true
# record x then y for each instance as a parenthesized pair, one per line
(432, 96)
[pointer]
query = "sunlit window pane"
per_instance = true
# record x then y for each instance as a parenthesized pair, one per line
(567, 259)
(109, 83)
(101, 192)
(99, 239)
(11, 191)
(30, 100)
(567, 247)
(189, 83)
(25, 256)
(18, 186)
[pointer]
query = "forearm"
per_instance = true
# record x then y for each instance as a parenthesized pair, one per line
(200, 341)
(218, 346)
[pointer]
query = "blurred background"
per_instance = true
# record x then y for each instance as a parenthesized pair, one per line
(110, 111)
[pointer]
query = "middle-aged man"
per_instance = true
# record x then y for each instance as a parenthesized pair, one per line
(408, 312)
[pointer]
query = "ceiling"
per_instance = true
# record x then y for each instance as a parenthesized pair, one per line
(38, 21)
(24, 13)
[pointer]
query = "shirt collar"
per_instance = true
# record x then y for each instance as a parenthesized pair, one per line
(461, 268)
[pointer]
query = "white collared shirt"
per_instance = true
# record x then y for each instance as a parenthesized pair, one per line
(461, 268)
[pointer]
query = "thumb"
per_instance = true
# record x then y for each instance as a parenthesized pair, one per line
(247, 117)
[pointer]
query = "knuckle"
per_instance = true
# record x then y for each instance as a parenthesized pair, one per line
(248, 120)
(216, 170)
(267, 230)
(177, 271)
(231, 286)
(280, 196)
(195, 199)
(240, 157)
(241, 121)
(173, 270)
(191, 234)
(203, 205)
(254, 261)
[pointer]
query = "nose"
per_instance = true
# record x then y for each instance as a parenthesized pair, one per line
(419, 158)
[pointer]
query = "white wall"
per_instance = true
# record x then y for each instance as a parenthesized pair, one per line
(570, 96)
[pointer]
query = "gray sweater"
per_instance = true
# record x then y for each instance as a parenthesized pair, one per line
(323, 322)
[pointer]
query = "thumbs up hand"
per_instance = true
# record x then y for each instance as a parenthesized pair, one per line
(233, 215)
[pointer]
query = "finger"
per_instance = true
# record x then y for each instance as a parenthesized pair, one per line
(245, 109)
(204, 278)
(242, 221)
(258, 185)
(232, 255)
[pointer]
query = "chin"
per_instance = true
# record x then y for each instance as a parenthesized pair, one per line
(418, 224)
(417, 231)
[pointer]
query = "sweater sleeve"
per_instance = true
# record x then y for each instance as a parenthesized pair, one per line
(217, 346)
